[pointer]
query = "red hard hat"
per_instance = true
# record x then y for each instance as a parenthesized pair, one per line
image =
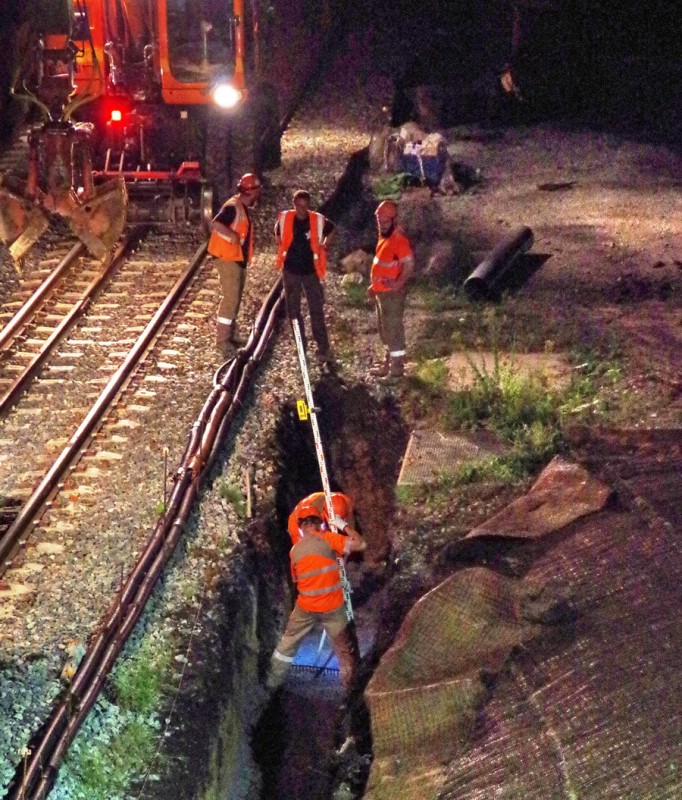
(248, 182)
(387, 209)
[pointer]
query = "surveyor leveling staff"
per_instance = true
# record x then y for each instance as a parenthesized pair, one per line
(345, 583)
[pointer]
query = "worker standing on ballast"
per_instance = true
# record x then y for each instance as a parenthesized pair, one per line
(342, 506)
(303, 237)
(317, 574)
(231, 244)
(392, 267)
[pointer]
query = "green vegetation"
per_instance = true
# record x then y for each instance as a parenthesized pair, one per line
(120, 737)
(385, 187)
(523, 409)
(356, 295)
(234, 496)
(438, 298)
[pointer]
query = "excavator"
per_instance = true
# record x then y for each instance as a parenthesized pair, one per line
(144, 112)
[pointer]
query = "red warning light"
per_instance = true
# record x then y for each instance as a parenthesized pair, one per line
(116, 115)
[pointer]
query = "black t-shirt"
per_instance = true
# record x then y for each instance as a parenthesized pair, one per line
(227, 215)
(299, 257)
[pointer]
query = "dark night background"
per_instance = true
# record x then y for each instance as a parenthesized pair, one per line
(609, 65)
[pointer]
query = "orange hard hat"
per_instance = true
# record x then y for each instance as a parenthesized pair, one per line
(387, 209)
(306, 510)
(249, 182)
(342, 505)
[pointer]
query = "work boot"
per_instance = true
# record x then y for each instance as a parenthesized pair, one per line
(396, 370)
(235, 338)
(224, 346)
(381, 368)
(324, 357)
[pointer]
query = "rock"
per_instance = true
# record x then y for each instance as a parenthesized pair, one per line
(428, 106)
(377, 148)
(440, 260)
(351, 278)
(357, 261)
(410, 132)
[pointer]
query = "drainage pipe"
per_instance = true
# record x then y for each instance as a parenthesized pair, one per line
(486, 280)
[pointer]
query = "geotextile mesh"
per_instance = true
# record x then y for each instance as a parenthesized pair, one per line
(425, 696)
(587, 708)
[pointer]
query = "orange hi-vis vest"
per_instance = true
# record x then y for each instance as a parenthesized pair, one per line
(390, 252)
(286, 231)
(220, 247)
(341, 504)
(316, 571)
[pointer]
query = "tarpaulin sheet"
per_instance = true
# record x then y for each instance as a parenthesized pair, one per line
(588, 709)
(564, 492)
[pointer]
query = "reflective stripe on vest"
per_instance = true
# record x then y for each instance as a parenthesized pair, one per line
(382, 268)
(317, 574)
(286, 235)
(221, 247)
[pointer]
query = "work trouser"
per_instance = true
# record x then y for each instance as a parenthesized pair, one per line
(390, 307)
(341, 635)
(232, 277)
(311, 286)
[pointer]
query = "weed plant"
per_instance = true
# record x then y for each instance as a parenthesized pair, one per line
(389, 187)
(356, 295)
(234, 496)
(120, 737)
(524, 410)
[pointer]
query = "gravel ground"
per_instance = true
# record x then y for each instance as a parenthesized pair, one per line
(606, 236)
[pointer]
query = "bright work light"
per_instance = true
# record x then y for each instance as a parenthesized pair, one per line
(226, 96)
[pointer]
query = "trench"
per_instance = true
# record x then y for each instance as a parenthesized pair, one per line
(301, 728)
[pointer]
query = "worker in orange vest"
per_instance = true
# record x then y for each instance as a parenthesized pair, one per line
(316, 504)
(231, 244)
(303, 237)
(316, 572)
(392, 267)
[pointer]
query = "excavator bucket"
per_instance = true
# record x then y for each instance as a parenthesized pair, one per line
(99, 222)
(21, 223)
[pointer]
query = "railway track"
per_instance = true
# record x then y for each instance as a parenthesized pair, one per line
(83, 368)
(113, 489)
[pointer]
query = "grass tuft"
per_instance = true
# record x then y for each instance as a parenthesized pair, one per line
(234, 496)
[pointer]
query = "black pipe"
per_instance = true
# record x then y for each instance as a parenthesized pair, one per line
(486, 280)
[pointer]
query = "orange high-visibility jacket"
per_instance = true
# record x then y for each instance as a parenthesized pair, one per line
(341, 503)
(316, 571)
(391, 251)
(220, 247)
(286, 234)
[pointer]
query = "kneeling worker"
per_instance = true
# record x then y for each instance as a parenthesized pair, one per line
(317, 575)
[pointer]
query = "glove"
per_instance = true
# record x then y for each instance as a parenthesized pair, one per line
(338, 522)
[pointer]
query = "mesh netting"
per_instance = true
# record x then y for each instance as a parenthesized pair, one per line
(586, 709)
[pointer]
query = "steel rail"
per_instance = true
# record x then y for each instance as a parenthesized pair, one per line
(49, 485)
(79, 308)
(35, 302)
(35, 778)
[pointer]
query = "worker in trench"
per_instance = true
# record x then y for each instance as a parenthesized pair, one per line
(316, 571)
(231, 244)
(392, 267)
